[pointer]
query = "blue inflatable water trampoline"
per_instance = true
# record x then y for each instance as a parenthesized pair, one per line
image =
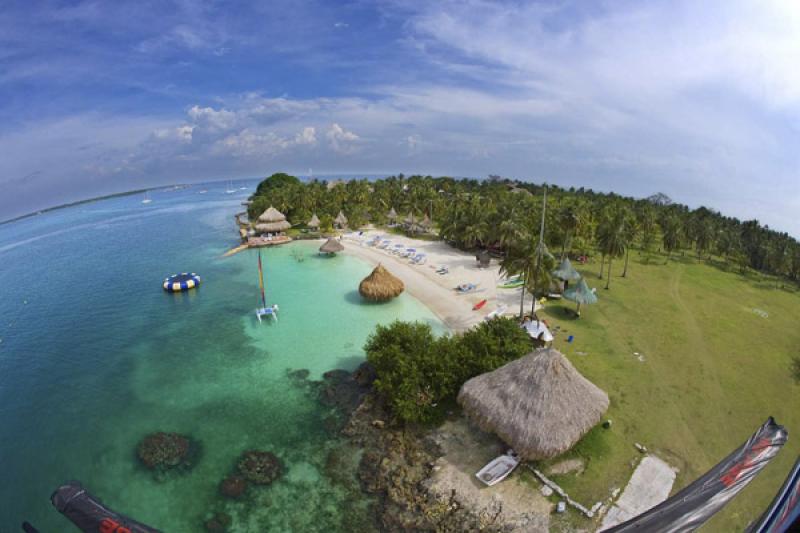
(181, 282)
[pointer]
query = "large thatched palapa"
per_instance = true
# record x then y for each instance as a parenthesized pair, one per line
(539, 404)
(340, 220)
(380, 285)
(314, 222)
(272, 221)
(331, 246)
(392, 216)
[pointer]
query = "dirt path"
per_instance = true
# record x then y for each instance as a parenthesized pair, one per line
(697, 355)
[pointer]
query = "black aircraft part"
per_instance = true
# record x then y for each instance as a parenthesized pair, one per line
(694, 505)
(89, 513)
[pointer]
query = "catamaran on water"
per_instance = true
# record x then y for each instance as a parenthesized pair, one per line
(269, 311)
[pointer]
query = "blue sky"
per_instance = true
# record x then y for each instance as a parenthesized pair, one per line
(700, 100)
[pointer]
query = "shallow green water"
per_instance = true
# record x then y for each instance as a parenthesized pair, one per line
(94, 355)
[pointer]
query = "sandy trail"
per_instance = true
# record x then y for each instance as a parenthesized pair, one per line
(438, 291)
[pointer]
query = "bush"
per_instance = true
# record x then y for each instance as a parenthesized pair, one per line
(411, 375)
(796, 368)
(417, 371)
(492, 344)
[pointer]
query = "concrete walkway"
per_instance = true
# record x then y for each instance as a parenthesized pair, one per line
(650, 485)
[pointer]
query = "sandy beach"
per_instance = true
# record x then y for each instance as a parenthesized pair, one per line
(435, 290)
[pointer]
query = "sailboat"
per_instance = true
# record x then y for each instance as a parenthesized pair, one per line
(230, 190)
(147, 199)
(265, 310)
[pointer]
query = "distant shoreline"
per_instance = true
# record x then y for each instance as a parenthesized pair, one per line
(79, 202)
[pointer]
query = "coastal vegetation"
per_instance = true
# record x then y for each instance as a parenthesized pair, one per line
(417, 373)
(503, 216)
(693, 341)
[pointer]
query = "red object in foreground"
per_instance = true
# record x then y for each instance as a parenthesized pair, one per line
(478, 305)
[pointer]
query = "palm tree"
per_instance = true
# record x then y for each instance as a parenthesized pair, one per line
(569, 220)
(612, 237)
(671, 227)
(630, 230)
(520, 260)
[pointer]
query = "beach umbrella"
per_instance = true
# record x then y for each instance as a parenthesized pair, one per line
(331, 246)
(380, 285)
(581, 294)
(314, 222)
(272, 221)
(540, 405)
(566, 272)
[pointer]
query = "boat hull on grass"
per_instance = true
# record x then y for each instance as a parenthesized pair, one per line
(498, 469)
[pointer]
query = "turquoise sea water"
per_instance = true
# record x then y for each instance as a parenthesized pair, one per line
(94, 355)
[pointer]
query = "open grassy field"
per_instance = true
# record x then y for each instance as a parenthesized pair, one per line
(713, 371)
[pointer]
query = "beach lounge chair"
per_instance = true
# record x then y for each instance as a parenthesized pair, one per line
(466, 287)
(442, 270)
(419, 259)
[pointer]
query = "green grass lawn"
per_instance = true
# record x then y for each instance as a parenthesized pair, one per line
(714, 370)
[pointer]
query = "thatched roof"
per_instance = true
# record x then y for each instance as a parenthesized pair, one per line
(273, 227)
(392, 214)
(426, 222)
(340, 219)
(380, 285)
(566, 272)
(410, 217)
(331, 246)
(581, 293)
(539, 404)
(272, 221)
(314, 222)
(271, 215)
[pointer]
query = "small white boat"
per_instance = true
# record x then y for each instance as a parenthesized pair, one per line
(230, 189)
(202, 192)
(269, 312)
(498, 469)
(497, 312)
(147, 199)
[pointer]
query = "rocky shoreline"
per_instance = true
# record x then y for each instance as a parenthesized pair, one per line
(403, 467)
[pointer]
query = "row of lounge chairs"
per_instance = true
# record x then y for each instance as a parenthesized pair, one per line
(400, 250)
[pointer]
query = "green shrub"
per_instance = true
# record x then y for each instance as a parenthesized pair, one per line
(492, 344)
(796, 368)
(417, 371)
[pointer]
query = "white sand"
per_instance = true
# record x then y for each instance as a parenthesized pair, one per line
(438, 291)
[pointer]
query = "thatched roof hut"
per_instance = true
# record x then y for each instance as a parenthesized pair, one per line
(272, 221)
(566, 272)
(314, 222)
(426, 222)
(380, 285)
(340, 220)
(392, 215)
(331, 246)
(539, 404)
(410, 218)
(581, 294)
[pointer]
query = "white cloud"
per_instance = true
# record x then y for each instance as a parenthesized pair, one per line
(341, 140)
(218, 119)
(307, 136)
